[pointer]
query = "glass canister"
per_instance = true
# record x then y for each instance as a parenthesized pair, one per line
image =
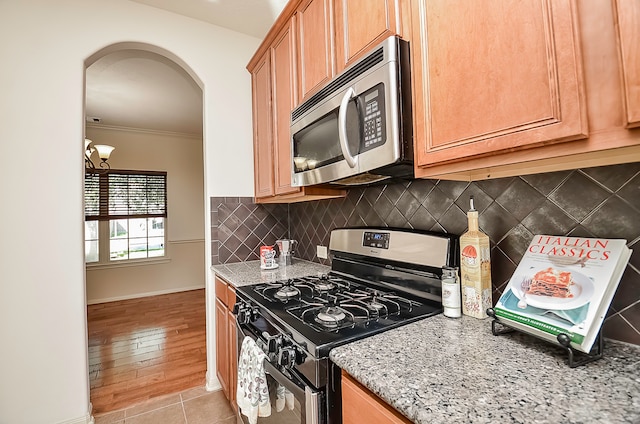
(451, 292)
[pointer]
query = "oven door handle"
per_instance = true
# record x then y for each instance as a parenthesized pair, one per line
(299, 390)
(342, 128)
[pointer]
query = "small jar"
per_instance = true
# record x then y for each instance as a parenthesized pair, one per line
(451, 297)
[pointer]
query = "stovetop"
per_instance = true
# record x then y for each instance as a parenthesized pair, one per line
(326, 311)
(380, 278)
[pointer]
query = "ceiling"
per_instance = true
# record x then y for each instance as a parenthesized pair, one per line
(143, 90)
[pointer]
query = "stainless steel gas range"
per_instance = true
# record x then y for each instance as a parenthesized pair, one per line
(380, 279)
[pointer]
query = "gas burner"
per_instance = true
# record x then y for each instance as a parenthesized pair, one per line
(376, 306)
(324, 285)
(287, 291)
(330, 316)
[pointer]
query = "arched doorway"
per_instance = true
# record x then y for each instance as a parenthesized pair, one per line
(144, 140)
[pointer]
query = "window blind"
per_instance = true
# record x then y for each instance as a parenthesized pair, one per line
(119, 194)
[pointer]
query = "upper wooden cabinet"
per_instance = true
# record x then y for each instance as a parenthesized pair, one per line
(262, 135)
(362, 24)
(315, 45)
(628, 32)
(283, 94)
(274, 95)
(497, 97)
(492, 79)
(511, 88)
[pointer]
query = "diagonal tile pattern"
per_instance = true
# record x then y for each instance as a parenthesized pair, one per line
(591, 202)
(239, 227)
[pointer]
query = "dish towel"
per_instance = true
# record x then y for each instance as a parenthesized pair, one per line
(284, 396)
(252, 391)
(574, 316)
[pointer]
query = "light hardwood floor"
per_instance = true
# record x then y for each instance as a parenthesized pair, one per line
(145, 348)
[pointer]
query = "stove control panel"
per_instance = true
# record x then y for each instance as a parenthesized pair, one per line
(378, 240)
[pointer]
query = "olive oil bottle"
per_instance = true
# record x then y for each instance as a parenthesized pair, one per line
(475, 268)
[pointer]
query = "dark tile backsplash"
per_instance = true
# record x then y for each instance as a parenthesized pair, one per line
(239, 227)
(592, 202)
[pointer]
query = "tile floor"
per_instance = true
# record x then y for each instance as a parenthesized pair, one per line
(193, 406)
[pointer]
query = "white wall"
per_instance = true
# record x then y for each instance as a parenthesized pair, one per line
(44, 45)
(181, 157)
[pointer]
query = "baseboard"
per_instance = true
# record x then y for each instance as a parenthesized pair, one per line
(213, 383)
(87, 419)
(145, 294)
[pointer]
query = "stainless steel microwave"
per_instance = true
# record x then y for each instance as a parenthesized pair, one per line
(358, 128)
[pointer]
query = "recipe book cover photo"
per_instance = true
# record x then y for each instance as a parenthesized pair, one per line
(564, 285)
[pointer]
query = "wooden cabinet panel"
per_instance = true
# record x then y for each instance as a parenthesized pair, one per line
(361, 24)
(232, 347)
(226, 340)
(262, 142)
(222, 347)
(628, 26)
(283, 98)
(315, 47)
(221, 291)
(359, 405)
(492, 79)
(274, 86)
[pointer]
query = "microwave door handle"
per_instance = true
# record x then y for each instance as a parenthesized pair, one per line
(342, 128)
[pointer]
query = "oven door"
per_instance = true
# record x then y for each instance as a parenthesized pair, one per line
(301, 406)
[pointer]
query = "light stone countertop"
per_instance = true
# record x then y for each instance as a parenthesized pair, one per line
(442, 370)
(245, 273)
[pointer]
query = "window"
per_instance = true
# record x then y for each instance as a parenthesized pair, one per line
(125, 214)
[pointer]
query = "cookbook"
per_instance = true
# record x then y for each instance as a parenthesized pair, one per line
(564, 285)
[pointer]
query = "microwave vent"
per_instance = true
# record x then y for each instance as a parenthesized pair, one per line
(365, 178)
(343, 79)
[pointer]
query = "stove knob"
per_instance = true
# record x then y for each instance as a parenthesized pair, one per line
(273, 342)
(244, 313)
(287, 357)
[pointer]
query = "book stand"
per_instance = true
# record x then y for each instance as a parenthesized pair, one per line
(564, 341)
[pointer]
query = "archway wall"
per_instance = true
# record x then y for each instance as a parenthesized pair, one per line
(44, 47)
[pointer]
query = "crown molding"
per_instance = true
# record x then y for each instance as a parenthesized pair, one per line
(143, 131)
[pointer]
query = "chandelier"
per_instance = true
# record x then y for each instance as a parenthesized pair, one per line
(104, 152)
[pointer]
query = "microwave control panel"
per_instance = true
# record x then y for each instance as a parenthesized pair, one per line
(374, 131)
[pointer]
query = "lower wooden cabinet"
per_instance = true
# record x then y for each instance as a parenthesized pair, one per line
(359, 405)
(226, 340)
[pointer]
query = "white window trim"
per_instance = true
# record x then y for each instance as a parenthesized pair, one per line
(104, 261)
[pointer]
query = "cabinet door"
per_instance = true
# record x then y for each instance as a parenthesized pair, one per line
(222, 346)
(628, 17)
(315, 48)
(262, 135)
(283, 92)
(233, 348)
(359, 405)
(494, 79)
(361, 24)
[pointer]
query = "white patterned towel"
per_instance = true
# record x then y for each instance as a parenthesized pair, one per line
(252, 391)
(284, 397)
